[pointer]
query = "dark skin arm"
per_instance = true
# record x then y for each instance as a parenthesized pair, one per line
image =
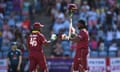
(47, 43)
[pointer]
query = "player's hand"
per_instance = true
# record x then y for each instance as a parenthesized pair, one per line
(73, 35)
(64, 37)
(18, 68)
(73, 30)
(53, 37)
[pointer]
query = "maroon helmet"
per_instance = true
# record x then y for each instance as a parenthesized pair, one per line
(37, 25)
(72, 7)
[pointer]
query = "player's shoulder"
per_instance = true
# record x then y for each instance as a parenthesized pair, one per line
(10, 51)
(33, 34)
(36, 33)
(84, 30)
(18, 50)
(41, 35)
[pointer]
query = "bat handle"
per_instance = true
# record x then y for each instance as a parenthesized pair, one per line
(70, 27)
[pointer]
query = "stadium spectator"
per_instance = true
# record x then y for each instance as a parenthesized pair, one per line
(85, 5)
(7, 35)
(37, 6)
(0, 39)
(110, 14)
(2, 6)
(117, 35)
(11, 20)
(118, 18)
(92, 17)
(101, 16)
(26, 24)
(93, 43)
(111, 2)
(57, 51)
(64, 6)
(61, 23)
(110, 34)
(118, 53)
(101, 33)
(113, 46)
(58, 5)
(83, 13)
(66, 47)
(101, 46)
(31, 13)
(18, 35)
(1, 20)
(17, 5)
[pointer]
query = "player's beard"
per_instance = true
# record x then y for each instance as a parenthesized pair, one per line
(80, 28)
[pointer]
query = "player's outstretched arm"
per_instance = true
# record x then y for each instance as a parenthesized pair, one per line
(46, 43)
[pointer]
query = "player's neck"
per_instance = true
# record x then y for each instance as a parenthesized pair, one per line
(82, 29)
(13, 49)
(35, 31)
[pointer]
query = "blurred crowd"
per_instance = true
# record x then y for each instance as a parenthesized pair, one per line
(15, 22)
(102, 18)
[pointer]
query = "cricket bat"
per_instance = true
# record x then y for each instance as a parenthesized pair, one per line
(70, 27)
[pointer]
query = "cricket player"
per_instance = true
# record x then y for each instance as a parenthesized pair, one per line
(14, 58)
(81, 39)
(35, 41)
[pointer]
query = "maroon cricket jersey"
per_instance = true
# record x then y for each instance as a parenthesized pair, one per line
(35, 41)
(83, 35)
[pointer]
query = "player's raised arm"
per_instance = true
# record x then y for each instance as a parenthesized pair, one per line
(44, 40)
(81, 36)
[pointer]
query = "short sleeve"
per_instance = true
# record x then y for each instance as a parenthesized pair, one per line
(19, 52)
(81, 35)
(42, 38)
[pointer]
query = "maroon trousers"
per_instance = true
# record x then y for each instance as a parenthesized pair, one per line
(38, 59)
(80, 60)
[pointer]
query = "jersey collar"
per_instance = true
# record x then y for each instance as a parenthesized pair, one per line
(35, 31)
